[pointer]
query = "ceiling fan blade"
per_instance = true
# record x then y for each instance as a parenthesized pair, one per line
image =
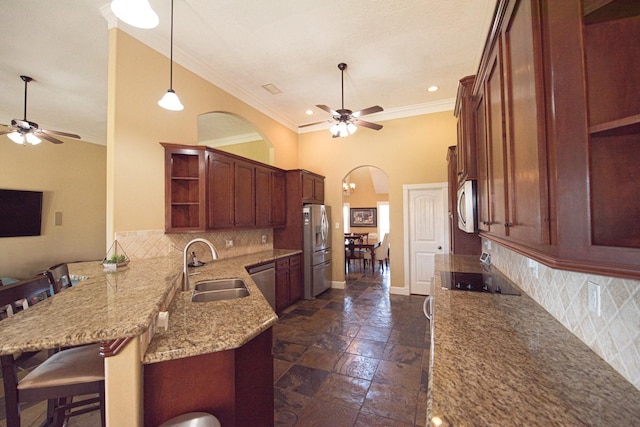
(55, 132)
(312, 124)
(370, 110)
(48, 137)
(328, 110)
(369, 125)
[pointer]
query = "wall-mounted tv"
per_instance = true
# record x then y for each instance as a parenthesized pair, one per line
(20, 213)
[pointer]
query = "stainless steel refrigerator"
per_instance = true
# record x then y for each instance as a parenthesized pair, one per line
(316, 220)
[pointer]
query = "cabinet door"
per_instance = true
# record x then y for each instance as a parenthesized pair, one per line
(295, 278)
(282, 284)
(466, 152)
(482, 162)
(244, 196)
(318, 190)
(495, 146)
(220, 190)
(278, 199)
(527, 218)
(307, 188)
(263, 197)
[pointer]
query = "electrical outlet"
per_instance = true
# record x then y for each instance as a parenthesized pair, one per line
(338, 225)
(487, 245)
(533, 265)
(594, 298)
(228, 243)
(264, 239)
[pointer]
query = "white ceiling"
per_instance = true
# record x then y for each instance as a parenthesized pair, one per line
(394, 49)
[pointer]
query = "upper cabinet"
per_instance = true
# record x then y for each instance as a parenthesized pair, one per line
(556, 126)
(466, 151)
(185, 184)
(207, 189)
(303, 187)
(312, 187)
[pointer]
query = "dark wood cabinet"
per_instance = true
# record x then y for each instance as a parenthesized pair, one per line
(234, 385)
(312, 187)
(460, 242)
(288, 281)
(302, 187)
(270, 198)
(466, 151)
(557, 120)
(185, 185)
(207, 189)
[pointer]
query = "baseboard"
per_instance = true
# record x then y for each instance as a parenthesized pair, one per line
(399, 291)
(338, 285)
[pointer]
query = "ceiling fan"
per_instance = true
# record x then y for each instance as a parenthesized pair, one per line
(23, 131)
(346, 120)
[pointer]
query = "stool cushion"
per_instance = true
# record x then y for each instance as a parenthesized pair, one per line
(72, 366)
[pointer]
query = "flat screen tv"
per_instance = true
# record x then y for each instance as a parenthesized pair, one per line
(20, 213)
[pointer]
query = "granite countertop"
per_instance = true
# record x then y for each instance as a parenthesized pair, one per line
(504, 360)
(107, 306)
(198, 328)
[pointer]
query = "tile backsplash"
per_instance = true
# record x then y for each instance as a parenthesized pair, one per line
(142, 244)
(614, 335)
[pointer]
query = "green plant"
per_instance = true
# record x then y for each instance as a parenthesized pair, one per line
(115, 259)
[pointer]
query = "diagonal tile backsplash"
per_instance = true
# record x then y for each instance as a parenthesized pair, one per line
(614, 335)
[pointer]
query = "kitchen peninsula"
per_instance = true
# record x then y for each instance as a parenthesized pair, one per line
(119, 310)
(504, 360)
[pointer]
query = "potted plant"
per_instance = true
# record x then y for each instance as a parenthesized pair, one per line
(115, 258)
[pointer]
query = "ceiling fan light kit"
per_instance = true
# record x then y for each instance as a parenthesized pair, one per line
(137, 13)
(170, 100)
(346, 121)
(25, 132)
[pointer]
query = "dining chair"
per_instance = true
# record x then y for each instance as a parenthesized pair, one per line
(59, 277)
(352, 254)
(78, 371)
(383, 260)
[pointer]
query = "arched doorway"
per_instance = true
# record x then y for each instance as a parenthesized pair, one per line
(365, 210)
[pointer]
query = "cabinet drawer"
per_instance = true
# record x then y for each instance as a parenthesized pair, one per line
(282, 263)
(294, 261)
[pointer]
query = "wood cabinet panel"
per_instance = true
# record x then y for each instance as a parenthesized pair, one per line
(556, 97)
(220, 188)
(295, 278)
(466, 151)
(495, 147)
(244, 195)
(289, 285)
(207, 189)
(234, 385)
(526, 181)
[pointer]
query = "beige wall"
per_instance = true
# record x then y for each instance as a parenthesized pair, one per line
(138, 77)
(412, 150)
(72, 176)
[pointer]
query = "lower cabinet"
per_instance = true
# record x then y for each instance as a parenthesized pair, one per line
(288, 281)
(236, 386)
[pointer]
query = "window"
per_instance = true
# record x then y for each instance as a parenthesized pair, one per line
(383, 219)
(345, 217)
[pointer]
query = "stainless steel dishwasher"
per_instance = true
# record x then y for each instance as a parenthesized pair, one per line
(265, 277)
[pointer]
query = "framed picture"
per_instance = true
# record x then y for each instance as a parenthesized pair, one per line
(363, 217)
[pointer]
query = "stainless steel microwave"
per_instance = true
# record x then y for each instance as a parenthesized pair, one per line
(467, 207)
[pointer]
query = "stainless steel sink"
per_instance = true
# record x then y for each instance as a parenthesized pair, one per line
(219, 289)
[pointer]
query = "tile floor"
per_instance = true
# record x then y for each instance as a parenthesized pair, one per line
(352, 357)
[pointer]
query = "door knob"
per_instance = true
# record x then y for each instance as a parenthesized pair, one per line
(439, 247)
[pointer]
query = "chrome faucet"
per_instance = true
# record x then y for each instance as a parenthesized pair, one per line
(185, 266)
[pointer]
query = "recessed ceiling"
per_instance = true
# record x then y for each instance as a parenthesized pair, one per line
(395, 50)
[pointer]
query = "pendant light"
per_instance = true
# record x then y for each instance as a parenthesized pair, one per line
(170, 100)
(137, 13)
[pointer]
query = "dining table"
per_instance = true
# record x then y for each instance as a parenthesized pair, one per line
(351, 250)
(356, 238)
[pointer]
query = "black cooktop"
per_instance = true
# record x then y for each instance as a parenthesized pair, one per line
(487, 282)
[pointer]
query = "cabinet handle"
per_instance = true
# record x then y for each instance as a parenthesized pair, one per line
(508, 224)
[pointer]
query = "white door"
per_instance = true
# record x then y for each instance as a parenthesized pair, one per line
(425, 216)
